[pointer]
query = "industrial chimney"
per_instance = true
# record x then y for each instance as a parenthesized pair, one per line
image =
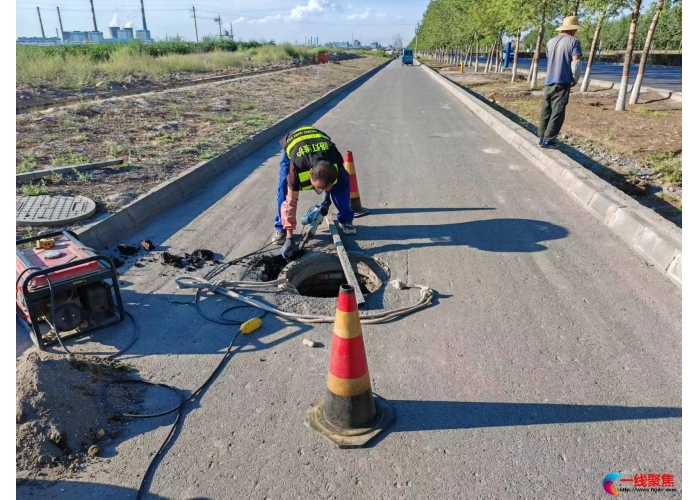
(143, 16)
(40, 23)
(94, 21)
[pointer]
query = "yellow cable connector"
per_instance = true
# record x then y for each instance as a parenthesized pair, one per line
(45, 243)
(250, 326)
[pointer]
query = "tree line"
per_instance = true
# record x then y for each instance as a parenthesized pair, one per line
(454, 30)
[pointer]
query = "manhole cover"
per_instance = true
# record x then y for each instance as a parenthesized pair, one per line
(320, 274)
(48, 210)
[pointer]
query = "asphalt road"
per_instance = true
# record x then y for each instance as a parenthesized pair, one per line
(551, 357)
(658, 77)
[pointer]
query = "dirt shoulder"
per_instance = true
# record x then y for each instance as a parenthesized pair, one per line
(639, 150)
(161, 134)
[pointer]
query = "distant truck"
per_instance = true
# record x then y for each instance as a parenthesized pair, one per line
(407, 57)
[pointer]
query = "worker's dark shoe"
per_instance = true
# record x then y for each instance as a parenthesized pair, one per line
(548, 144)
(347, 228)
(540, 142)
(278, 237)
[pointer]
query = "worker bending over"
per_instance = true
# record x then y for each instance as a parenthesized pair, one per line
(310, 161)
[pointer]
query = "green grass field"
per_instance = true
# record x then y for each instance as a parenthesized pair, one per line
(78, 68)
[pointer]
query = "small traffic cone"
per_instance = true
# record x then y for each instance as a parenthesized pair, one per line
(349, 416)
(355, 202)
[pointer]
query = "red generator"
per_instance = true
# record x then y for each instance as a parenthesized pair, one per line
(64, 288)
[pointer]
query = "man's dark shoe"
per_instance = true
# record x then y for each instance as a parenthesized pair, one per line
(548, 144)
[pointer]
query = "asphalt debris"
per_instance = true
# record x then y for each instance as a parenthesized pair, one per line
(191, 262)
(148, 245)
(127, 249)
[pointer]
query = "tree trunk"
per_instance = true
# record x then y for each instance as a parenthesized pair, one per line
(622, 96)
(490, 58)
(536, 55)
(596, 35)
(476, 62)
(529, 72)
(634, 97)
(468, 56)
(514, 76)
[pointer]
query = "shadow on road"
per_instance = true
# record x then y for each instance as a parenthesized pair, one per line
(412, 416)
(35, 488)
(490, 235)
(421, 210)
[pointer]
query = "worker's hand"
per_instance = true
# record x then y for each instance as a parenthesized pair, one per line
(289, 249)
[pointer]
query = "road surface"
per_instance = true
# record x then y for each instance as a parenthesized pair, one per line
(658, 77)
(551, 357)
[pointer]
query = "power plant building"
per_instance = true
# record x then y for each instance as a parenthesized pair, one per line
(143, 35)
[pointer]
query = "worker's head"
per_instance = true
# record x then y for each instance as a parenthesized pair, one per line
(323, 175)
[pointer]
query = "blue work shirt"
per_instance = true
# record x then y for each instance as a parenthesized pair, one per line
(560, 51)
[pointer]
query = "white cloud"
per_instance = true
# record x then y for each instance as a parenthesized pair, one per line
(312, 7)
(363, 15)
(270, 18)
(239, 20)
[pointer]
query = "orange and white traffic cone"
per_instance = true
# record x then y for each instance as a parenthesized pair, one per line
(355, 202)
(349, 416)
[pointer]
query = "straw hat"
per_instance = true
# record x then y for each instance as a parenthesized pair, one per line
(570, 23)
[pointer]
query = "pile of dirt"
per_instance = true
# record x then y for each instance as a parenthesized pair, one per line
(195, 260)
(61, 412)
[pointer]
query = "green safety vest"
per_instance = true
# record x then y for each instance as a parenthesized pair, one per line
(304, 146)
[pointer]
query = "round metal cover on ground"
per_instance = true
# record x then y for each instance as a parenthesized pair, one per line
(49, 210)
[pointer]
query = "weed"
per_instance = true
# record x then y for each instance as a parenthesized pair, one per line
(84, 136)
(70, 159)
(82, 177)
(29, 232)
(649, 112)
(249, 105)
(115, 151)
(254, 120)
(27, 164)
(666, 164)
(32, 189)
(610, 135)
(227, 118)
(56, 178)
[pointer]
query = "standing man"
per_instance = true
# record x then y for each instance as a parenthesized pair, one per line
(563, 72)
(310, 161)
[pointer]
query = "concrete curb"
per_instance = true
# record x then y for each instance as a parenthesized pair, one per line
(38, 174)
(156, 201)
(657, 241)
(604, 84)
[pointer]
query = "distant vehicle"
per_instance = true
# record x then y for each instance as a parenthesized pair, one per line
(407, 57)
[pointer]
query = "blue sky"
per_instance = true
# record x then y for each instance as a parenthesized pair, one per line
(281, 20)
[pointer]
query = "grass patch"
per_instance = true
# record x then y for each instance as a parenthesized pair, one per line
(649, 112)
(254, 120)
(82, 177)
(227, 118)
(32, 189)
(27, 164)
(116, 151)
(70, 159)
(666, 164)
(610, 135)
(249, 105)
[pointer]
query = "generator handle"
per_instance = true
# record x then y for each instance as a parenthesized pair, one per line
(66, 232)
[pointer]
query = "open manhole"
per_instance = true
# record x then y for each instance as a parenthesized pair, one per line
(320, 274)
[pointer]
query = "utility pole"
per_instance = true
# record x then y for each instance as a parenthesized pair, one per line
(231, 31)
(194, 15)
(60, 23)
(217, 20)
(40, 23)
